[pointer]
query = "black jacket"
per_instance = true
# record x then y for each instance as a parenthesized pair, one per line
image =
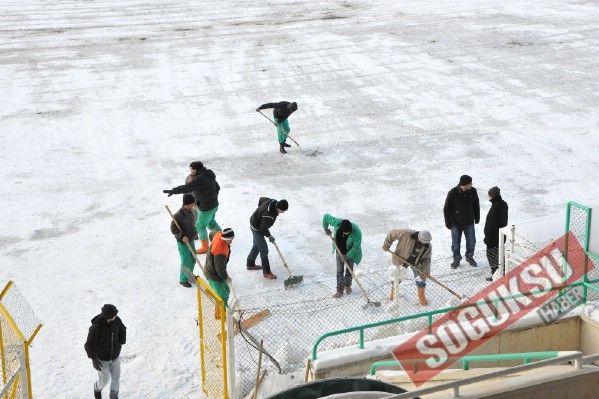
(104, 340)
(204, 188)
(187, 221)
(461, 207)
(280, 111)
(496, 219)
(264, 216)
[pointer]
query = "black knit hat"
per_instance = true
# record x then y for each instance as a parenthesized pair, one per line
(346, 226)
(188, 199)
(109, 311)
(494, 192)
(465, 179)
(282, 205)
(228, 234)
(197, 165)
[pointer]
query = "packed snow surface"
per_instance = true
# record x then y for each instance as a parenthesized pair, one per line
(105, 104)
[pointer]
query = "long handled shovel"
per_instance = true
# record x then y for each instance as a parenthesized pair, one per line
(292, 280)
(368, 301)
(274, 123)
(433, 279)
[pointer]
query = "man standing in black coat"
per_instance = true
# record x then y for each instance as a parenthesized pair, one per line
(260, 222)
(462, 211)
(496, 219)
(281, 111)
(202, 183)
(103, 346)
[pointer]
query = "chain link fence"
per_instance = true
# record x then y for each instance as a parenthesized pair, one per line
(300, 315)
(578, 222)
(18, 327)
(303, 313)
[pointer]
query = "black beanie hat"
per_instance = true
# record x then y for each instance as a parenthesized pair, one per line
(197, 165)
(228, 234)
(109, 311)
(283, 205)
(346, 226)
(494, 192)
(188, 199)
(465, 179)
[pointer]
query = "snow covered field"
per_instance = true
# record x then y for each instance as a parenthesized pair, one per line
(105, 103)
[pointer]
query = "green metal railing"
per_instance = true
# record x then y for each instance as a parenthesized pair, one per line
(586, 237)
(526, 357)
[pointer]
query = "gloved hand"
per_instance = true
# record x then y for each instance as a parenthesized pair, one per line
(271, 239)
(327, 231)
(169, 192)
(96, 364)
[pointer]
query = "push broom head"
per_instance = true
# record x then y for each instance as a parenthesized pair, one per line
(293, 280)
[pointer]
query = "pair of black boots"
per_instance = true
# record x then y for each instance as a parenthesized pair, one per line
(98, 395)
(469, 259)
(282, 148)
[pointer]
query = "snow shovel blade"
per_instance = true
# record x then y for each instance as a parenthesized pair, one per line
(311, 153)
(371, 303)
(293, 280)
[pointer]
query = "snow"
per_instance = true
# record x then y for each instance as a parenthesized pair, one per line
(105, 104)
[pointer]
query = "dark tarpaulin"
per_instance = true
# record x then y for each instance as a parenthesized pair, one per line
(323, 388)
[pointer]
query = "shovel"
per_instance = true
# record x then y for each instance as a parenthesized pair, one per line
(368, 301)
(308, 153)
(292, 280)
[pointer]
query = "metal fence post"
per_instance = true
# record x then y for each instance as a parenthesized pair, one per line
(231, 356)
(23, 378)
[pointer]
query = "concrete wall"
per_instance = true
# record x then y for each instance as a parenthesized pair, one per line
(589, 336)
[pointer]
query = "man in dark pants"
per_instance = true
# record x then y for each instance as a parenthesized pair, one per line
(281, 111)
(496, 219)
(260, 222)
(462, 211)
(103, 346)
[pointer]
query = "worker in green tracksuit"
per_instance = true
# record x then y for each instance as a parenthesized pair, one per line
(185, 232)
(281, 112)
(348, 238)
(215, 271)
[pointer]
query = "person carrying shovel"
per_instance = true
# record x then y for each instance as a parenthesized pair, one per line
(414, 250)
(281, 112)
(260, 223)
(348, 240)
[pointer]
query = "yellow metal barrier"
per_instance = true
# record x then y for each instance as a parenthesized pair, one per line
(18, 328)
(212, 328)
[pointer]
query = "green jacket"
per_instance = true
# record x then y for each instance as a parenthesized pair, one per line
(354, 240)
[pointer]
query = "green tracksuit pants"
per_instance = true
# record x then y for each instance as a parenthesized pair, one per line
(222, 289)
(205, 220)
(283, 131)
(187, 260)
